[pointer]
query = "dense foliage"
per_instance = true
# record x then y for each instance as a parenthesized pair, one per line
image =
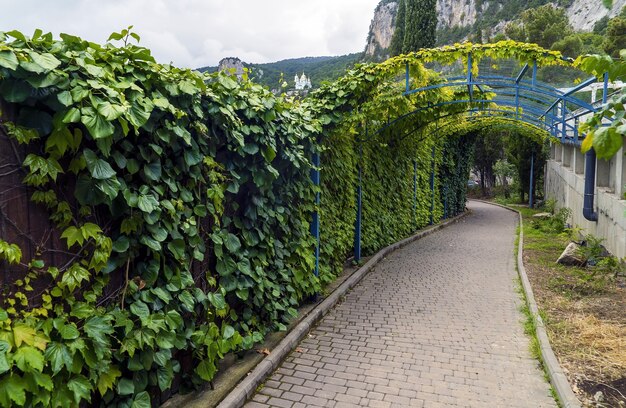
(416, 24)
(196, 193)
(397, 40)
(420, 25)
(606, 129)
(193, 194)
(491, 13)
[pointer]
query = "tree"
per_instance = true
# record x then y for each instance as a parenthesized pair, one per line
(488, 149)
(395, 48)
(615, 36)
(543, 25)
(504, 170)
(420, 25)
(570, 46)
(520, 149)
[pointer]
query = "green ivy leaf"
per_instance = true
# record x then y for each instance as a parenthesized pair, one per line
(4, 362)
(45, 60)
(41, 379)
(71, 116)
(138, 115)
(8, 60)
(12, 388)
(99, 329)
(232, 243)
(177, 248)
(607, 142)
(110, 111)
(147, 203)
(73, 236)
(65, 98)
(99, 169)
(81, 387)
(69, 331)
(141, 400)
(140, 309)
(206, 369)
(58, 355)
(27, 358)
(217, 300)
(73, 277)
(228, 332)
(126, 386)
(165, 375)
(107, 379)
(97, 125)
(153, 171)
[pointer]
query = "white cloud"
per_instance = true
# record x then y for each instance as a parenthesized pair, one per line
(194, 33)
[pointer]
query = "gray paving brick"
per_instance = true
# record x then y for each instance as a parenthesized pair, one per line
(280, 403)
(436, 324)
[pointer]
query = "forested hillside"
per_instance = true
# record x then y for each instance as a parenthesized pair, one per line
(318, 69)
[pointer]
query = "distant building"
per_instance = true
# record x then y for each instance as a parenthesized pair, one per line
(302, 82)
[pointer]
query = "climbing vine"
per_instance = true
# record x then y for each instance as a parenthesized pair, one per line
(182, 205)
(606, 129)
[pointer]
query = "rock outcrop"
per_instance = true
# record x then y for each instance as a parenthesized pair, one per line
(381, 30)
(583, 14)
(452, 13)
(233, 65)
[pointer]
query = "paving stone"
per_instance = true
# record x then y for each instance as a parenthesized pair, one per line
(436, 324)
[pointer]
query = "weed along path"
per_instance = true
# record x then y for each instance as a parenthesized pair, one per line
(435, 324)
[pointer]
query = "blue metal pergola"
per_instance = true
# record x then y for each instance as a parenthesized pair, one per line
(520, 97)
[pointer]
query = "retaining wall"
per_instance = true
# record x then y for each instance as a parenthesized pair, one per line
(564, 182)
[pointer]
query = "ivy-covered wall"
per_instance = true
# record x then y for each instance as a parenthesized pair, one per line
(179, 209)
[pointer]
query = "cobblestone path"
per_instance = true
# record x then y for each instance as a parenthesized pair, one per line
(436, 324)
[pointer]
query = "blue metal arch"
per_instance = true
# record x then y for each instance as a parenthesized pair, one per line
(534, 102)
(514, 99)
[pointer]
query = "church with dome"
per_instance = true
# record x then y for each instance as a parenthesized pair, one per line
(302, 82)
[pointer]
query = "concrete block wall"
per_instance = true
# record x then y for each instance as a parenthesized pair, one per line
(565, 182)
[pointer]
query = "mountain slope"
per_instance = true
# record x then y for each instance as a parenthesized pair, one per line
(318, 69)
(459, 19)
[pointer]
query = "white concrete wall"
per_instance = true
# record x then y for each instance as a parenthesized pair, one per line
(565, 184)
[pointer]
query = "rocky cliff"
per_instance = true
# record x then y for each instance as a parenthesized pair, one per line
(461, 15)
(452, 13)
(381, 30)
(583, 14)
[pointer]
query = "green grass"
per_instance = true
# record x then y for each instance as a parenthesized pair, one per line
(530, 329)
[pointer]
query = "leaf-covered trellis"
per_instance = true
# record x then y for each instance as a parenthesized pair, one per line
(182, 203)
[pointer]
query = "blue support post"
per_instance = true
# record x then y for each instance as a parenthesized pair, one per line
(517, 81)
(532, 177)
(407, 78)
(315, 224)
(469, 76)
(534, 73)
(359, 210)
(563, 128)
(516, 101)
(432, 187)
(415, 194)
(605, 88)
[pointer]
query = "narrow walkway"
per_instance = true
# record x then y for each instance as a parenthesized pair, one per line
(436, 324)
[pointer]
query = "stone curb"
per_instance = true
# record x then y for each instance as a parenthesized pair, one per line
(559, 381)
(246, 388)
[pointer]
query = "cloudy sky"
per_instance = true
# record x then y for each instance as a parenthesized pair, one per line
(196, 33)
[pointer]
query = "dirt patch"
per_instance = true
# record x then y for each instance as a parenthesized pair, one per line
(584, 313)
(604, 394)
